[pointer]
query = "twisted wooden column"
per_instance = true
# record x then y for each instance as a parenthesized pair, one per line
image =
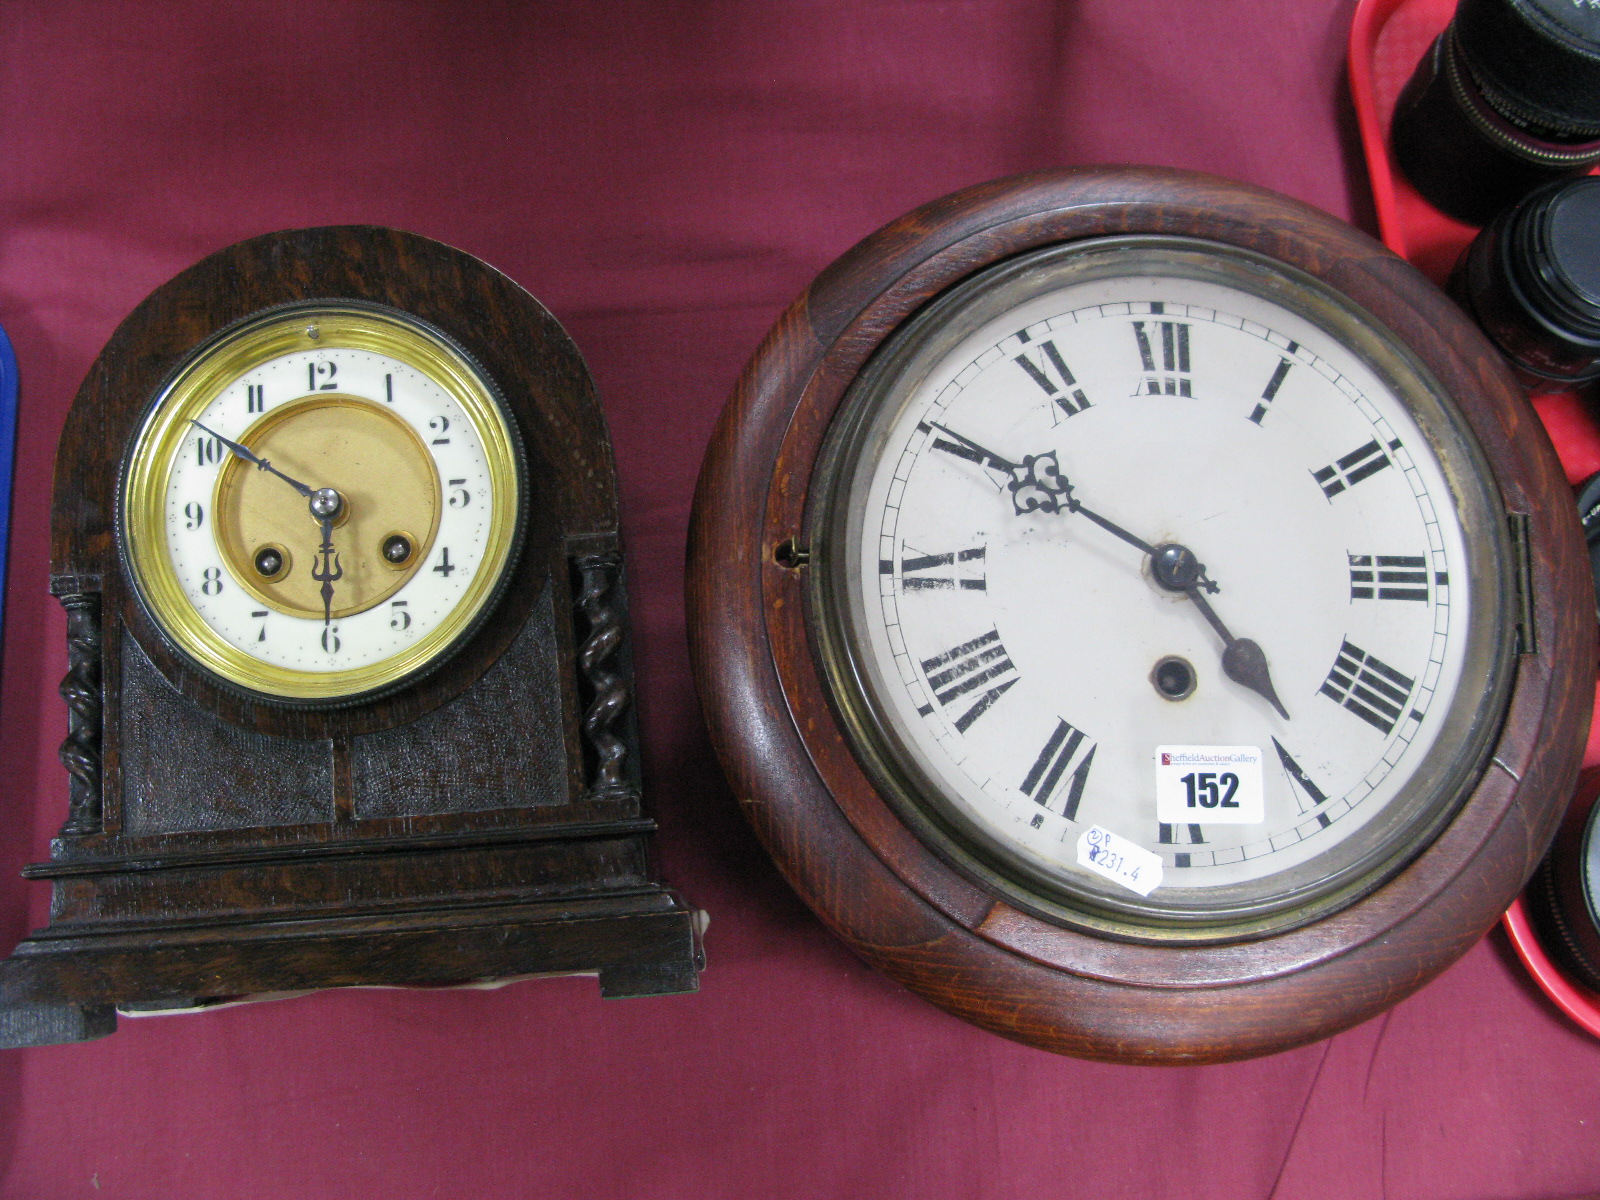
(80, 688)
(597, 659)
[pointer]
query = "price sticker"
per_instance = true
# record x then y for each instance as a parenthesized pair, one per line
(1209, 785)
(1119, 860)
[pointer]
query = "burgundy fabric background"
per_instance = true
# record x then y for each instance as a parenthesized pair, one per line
(665, 177)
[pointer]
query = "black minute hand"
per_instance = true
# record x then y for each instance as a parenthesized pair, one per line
(1244, 661)
(327, 572)
(980, 454)
(1137, 542)
(261, 463)
(1036, 483)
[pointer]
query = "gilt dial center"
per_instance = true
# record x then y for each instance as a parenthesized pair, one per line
(387, 482)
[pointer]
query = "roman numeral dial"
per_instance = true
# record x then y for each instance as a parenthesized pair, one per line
(1362, 463)
(1164, 354)
(1392, 577)
(1051, 505)
(1368, 687)
(1297, 774)
(1180, 835)
(970, 676)
(1270, 392)
(1049, 370)
(953, 570)
(1048, 782)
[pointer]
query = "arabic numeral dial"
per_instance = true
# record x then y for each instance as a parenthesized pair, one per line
(334, 514)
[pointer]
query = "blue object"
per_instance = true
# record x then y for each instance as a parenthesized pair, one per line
(8, 454)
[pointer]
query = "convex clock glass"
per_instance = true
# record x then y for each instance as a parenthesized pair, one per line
(1152, 497)
(322, 503)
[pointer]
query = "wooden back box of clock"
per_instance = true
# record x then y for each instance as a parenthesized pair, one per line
(479, 819)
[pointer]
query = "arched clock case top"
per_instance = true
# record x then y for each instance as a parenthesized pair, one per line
(905, 897)
(475, 308)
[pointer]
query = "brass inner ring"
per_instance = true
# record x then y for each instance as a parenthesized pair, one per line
(379, 465)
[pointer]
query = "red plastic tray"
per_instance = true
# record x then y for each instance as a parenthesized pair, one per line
(1387, 39)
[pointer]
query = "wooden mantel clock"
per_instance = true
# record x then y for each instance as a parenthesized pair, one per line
(1139, 614)
(335, 527)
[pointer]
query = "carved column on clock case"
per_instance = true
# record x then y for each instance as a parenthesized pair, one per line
(42, 1024)
(80, 688)
(600, 660)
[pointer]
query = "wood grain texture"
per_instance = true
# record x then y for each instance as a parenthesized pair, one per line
(464, 826)
(901, 906)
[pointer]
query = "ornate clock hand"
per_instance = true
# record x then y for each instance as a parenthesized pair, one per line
(1177, 569)
(1243, 660)
(325, 506)
(1036, 482)
(261, 463)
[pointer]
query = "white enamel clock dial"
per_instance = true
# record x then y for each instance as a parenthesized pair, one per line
(1115, 505)
(398, 439)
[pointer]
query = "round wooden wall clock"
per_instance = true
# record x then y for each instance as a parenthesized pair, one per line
(335, 526)
(1139, 614)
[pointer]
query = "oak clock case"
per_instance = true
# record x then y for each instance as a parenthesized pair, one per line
(1136, 612)
(349, 683)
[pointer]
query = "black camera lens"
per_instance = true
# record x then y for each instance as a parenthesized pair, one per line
(1563, 896)
(1531, 279)
(1505, 100)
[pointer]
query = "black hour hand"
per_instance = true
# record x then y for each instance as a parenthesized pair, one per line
(327, 571)
(261, 463)
(1177, 569)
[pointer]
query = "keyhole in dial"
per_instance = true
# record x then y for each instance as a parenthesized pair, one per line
(1174, 678)
(397, 549)
(271, 561)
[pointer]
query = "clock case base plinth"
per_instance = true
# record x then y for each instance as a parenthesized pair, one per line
(482, 821)
(64, 986)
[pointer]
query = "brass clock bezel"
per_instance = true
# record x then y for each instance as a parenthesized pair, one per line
(209, 370)
(1341, 873)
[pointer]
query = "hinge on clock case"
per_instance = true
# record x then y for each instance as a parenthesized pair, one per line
(1522, 570)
